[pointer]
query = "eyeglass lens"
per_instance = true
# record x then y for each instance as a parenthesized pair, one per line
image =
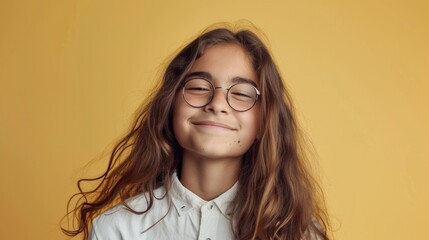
(199, 92)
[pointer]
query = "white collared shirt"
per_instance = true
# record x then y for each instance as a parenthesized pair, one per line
(187, 217)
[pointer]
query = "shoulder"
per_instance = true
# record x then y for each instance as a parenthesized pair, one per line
(120, 222)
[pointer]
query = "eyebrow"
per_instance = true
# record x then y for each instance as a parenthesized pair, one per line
(208, 76)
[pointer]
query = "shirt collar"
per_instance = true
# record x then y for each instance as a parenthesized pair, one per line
(185, 200)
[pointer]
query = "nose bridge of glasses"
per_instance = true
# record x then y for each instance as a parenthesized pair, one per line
(221, 88)
(224, 95)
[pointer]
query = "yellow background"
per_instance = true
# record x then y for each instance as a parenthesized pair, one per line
(72, 73)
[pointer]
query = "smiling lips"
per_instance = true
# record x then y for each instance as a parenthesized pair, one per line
(211, 124)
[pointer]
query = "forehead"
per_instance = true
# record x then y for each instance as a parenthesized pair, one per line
(224, 62)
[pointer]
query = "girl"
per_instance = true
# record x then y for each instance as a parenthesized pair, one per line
(214, 154)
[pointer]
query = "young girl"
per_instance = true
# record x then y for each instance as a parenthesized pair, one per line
(214, 154)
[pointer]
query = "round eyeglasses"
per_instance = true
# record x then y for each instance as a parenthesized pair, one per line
(199, 92)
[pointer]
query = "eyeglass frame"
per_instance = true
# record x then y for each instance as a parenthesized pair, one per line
(214, 89)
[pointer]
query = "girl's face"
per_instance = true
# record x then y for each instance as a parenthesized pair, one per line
(216, 131)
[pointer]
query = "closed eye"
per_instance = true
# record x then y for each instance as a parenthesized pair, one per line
(198, 89)
(242, 96)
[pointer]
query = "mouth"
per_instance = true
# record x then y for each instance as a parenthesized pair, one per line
(211, 124)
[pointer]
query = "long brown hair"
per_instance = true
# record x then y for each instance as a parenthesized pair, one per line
(278, 198)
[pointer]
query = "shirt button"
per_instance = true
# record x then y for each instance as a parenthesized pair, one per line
(208, 239)
(211, 207)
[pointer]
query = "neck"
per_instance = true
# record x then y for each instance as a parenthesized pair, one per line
(209, 178)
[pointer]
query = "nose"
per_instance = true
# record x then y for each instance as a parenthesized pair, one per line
(218, 104)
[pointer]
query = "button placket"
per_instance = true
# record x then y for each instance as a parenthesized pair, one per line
(209, 222)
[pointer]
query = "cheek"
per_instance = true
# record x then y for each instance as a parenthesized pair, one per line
(181, 114)
(250, 127)
(255, 121)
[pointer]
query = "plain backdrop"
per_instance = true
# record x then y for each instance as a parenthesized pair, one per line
(73, 72)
